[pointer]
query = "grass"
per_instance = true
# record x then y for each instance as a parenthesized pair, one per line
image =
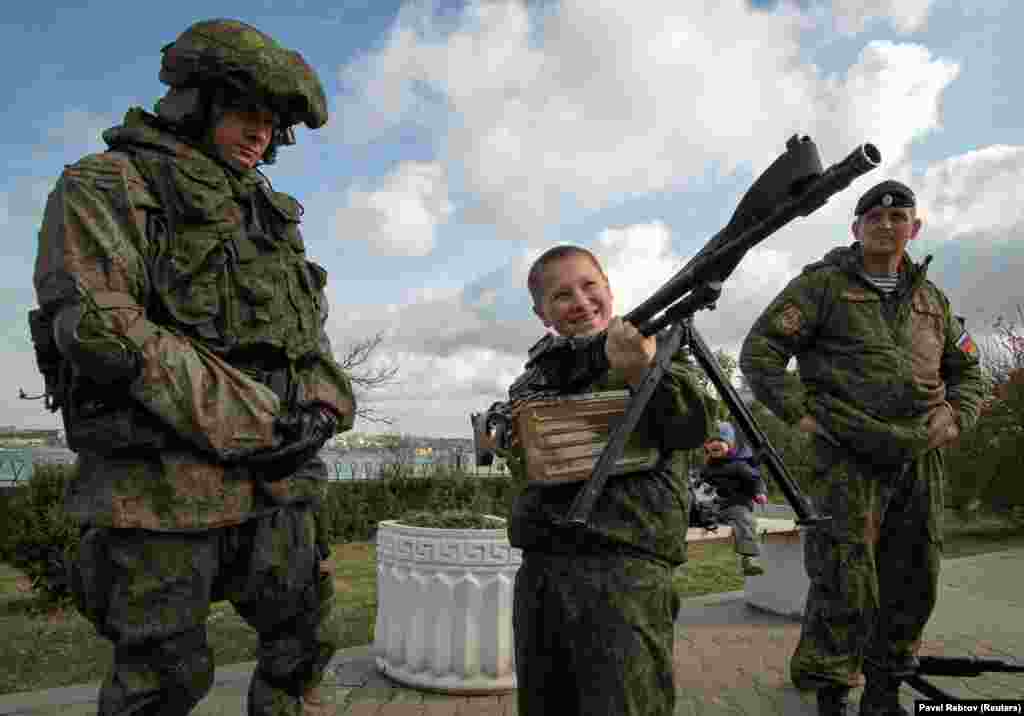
(60, 649)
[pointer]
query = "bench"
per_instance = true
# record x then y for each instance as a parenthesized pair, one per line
(782, 589)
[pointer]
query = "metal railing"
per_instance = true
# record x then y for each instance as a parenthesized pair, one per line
(16, 468)
(370, 470)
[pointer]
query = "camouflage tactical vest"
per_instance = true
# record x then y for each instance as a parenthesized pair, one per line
(226, 258)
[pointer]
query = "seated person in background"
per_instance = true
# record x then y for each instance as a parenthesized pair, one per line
(739, 486)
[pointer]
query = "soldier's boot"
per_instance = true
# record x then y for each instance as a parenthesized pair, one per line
(833, 700)
(314, 703)
(881, 695)
(751, 566)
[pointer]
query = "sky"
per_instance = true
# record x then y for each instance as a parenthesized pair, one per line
(465, 138)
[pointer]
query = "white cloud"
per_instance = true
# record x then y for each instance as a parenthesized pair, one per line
(979, 191)
(638, 259)
(401, 215)
(852, 16)
(890, 96)
(973, 223)
(590, 105)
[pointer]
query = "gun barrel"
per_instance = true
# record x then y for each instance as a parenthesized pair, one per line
(723, 252)
(964, 666)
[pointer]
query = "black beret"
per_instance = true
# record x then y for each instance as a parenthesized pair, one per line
(888, 193)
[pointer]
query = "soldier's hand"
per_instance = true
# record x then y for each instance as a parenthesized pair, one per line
(942, 427)
(300, 435)
(629, 351)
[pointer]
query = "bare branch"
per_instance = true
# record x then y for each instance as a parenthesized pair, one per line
(356, 362)
(368, 375)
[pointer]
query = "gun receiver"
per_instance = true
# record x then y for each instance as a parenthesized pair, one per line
(794, 185)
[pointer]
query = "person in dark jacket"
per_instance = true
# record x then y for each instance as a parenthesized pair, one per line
(738, 485)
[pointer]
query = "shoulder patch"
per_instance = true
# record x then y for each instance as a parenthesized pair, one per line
(966, 344)
(790, 319)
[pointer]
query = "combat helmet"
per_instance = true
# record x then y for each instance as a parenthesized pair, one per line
(230, 54)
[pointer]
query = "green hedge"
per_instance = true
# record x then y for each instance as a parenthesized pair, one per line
(38, 533)
(354, 507)
(982, 470)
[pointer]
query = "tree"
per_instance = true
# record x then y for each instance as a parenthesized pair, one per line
(983, 465)
(728, 364)
(1008, 354)
(367, 375)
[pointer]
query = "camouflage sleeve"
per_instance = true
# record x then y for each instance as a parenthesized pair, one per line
(961, 370)
(325, 381)
(677, 415)
(91, 268)
(784, 329)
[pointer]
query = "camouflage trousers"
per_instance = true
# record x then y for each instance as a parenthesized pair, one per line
(594, 635)
(150, 594)
(873, 570)
(744, 528)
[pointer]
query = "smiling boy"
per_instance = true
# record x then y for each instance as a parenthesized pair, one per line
(594, 611)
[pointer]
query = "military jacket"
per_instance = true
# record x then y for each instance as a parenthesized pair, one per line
(172, 262)
(873, 365)
(644, 513)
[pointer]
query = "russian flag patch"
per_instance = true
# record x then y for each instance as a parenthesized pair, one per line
(966, 344)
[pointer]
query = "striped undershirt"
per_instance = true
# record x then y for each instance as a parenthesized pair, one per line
(886, 283)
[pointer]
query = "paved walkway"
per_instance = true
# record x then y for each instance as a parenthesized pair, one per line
(730, 658)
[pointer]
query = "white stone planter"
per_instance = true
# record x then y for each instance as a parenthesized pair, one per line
(782, 589)
(444, 607)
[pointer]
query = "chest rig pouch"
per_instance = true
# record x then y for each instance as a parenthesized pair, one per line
(562, 438)
(228, 268)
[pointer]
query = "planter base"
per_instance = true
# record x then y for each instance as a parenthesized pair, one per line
(447, 684)
(444, 608)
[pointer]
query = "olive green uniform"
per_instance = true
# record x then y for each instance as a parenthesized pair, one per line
(188, 320)
(874, 366)
(594, 609)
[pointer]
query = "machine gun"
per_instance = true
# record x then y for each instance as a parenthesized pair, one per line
(954, 666)
(794, 185)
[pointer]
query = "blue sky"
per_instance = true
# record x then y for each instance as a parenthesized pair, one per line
(465, 138)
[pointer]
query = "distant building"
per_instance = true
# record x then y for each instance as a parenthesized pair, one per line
(15, 438)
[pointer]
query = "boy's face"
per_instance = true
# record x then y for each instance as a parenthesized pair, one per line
(577, 300)
(716, 449)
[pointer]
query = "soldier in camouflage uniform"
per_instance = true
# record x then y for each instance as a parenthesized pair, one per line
(593, 612)
(891, 376)
(181, 332)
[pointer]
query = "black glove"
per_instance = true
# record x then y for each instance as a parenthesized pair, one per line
(302, 433)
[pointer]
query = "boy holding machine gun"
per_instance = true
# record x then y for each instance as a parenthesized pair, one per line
(594, 607)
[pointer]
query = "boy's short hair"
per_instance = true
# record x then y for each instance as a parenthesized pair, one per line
(534, 279)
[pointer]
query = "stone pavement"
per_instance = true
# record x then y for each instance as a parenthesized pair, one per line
(730, 658)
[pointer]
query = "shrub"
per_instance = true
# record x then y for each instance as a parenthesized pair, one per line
(353, 508)
(451, 519)
(40, 534)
